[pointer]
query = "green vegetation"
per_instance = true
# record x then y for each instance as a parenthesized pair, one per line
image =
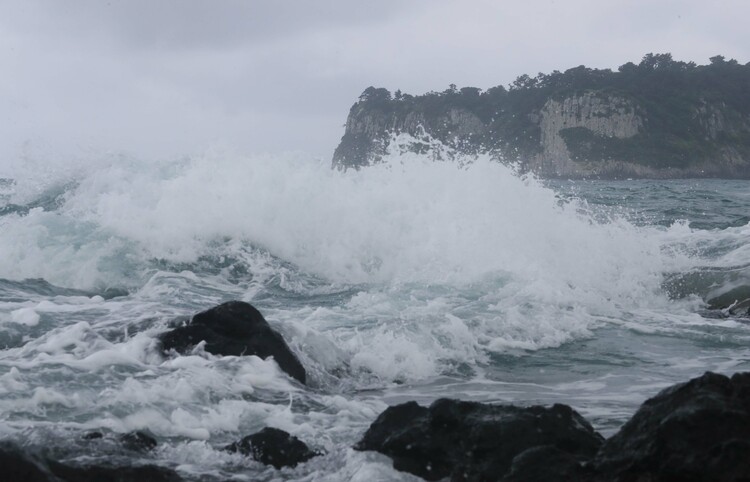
(690, 113)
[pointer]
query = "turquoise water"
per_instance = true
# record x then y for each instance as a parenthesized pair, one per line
(411, 280)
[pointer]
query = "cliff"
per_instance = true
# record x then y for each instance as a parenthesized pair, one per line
(658, 119)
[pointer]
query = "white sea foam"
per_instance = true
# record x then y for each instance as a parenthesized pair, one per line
(405, 220)
(411, 279)
(25, 316)
(457, 258)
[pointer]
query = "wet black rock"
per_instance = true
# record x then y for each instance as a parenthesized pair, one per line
(272, 446)
(234, 328)
(475, 441)
(18, 465)
(740, 308)
(694, 431)
(547, 462)
(730, 298)
(138, 441)
(140, 473)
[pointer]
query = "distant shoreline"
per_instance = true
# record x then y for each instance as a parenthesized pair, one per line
(660, 119)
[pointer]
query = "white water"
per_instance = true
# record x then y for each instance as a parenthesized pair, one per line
(412, 278)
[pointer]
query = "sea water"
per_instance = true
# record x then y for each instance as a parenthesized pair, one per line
(408, 280)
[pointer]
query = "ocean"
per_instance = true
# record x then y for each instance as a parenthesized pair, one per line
(408, 280)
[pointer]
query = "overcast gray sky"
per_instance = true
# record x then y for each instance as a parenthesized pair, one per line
(174, 77)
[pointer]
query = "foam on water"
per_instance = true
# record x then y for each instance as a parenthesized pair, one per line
(412, 279)
(408, 219)
(536, 270)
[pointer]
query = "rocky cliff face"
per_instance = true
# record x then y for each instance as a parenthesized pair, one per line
(565, 129)
(368, 132)
(604, 116)
(659, 119)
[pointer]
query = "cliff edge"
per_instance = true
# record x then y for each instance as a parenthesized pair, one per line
(659, 119)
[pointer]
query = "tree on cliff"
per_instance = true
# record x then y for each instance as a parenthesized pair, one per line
(375, 96)
(691, 113)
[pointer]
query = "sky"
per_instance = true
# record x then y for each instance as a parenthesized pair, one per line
(168, 78)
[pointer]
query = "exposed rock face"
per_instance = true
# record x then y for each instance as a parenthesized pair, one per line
(713, 118)
(367, 133)
(695, 431)
(272, 446)
(658, 119)
(234, 328)
(474, 441)
(576, 137)
(462, 123)
(602, 115)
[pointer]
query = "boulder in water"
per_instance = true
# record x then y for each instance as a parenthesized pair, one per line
(15, 464)
(138, 441)
(547, 462)
(740, 308)
(694, 431)
(234, 328)
(475, 441)
(136, 473)
(19, 465)
(272, 446)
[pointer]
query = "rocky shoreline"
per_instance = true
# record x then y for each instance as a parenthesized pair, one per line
(694, 431)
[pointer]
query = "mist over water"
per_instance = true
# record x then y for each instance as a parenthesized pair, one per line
(407, 220)
(411, 279)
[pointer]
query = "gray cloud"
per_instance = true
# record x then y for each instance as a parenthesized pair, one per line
(188, 24)
(174, 76)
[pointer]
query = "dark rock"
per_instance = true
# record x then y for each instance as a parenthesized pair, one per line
(92, 436)
(741, 308)
(546, 463)
(694, 431)
(138, 441)
(272, 446)
(475, 441)
(729, 298)
(234, 328)
(18, 466)
(141, 473)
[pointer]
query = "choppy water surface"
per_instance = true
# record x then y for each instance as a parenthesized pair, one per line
(410, 280)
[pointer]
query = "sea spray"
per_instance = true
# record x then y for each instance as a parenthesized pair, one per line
(411, 279)
(404, 220)
(536, 271)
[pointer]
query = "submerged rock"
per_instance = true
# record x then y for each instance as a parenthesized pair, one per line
(272, 446)
(135, 441)
(741, 308)
(138, 441)
(234, 328)
(694, 431)
(475, 441)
